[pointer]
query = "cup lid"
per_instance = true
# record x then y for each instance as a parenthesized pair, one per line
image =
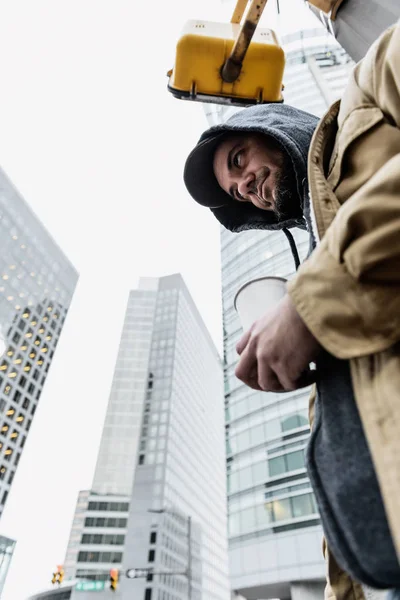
(254, 281)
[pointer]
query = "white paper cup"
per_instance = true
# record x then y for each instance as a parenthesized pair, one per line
(256, 297)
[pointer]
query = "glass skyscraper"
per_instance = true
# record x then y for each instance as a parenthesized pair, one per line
(7, 547)
(274, 529)
(37, 282)
(158, 499)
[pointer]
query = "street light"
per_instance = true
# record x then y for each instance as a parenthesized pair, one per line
(160, 511)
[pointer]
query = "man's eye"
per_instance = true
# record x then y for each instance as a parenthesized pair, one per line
(237, 159)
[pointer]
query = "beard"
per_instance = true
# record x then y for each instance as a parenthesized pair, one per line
(287, 202)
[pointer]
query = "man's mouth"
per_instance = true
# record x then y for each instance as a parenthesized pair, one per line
(263, 194)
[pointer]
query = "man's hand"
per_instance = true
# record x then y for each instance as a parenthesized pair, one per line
(276, 352)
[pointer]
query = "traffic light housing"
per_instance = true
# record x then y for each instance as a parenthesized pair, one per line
(232, 63)
(58, 575)
(114, 575)
(201, 52)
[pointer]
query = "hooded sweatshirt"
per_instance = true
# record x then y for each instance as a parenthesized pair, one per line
(292, 129)
(338, 459)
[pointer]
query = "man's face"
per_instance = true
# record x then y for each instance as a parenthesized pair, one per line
(252, 168)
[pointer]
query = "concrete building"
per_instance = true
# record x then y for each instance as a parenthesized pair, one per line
(275, 538)
(181, 463)
(158, 499)
(97, 536)
(37, 282)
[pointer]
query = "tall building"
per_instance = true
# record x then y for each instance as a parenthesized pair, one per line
(158, 499)
(274, 527)
(7, 547)
(37, 282)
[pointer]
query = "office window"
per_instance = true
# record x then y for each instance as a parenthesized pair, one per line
(8, 453)
(4, 430)
(148, 594)
(277, 466)
(295, 460)
(279, 510)
(303, 505)
(152, 555)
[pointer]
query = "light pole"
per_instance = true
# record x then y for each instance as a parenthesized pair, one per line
(160, 511)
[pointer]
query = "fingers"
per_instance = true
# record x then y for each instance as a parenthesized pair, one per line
(246, 368)
(282, 380)
(263, 375)
(242, 343)
(268, 379)
(249, 369)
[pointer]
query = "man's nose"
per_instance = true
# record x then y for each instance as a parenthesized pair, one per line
(246, 183)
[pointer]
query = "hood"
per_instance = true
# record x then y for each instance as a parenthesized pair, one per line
(291, 127)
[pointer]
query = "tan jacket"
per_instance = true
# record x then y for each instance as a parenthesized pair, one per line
(348, 292)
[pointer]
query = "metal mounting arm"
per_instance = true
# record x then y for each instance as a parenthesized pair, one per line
(230, 71)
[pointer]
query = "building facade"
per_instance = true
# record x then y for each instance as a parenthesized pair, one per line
(274, 527)
(97, 536)
(158, 500)
(37, 282)
(7, 547)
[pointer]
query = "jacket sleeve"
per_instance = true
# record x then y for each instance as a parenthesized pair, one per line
(348, 292)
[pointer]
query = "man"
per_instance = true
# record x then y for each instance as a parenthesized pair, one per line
(343, 306)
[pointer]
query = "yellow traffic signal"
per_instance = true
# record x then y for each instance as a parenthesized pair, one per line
(58, 575)
(114, 575)
(229, 63)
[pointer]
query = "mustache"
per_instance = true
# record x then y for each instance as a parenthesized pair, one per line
(258, 182)
(282, 192)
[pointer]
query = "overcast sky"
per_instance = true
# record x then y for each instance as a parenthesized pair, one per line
(91, 138)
